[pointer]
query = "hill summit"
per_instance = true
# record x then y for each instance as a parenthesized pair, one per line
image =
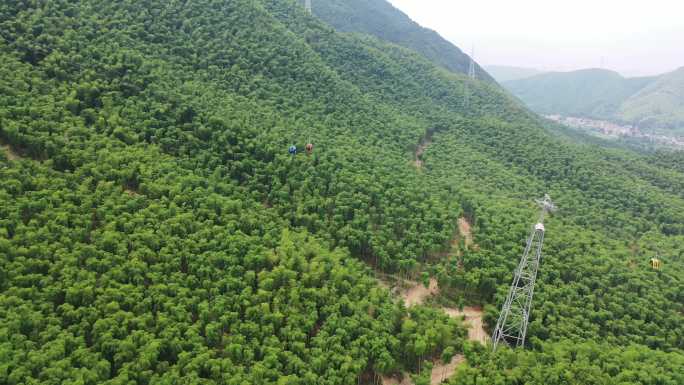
(381, 19)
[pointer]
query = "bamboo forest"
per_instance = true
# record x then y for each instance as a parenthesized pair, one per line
(238, 192)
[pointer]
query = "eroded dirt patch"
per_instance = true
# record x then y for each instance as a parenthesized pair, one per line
(473, 317)
(416, 293)
(11, 155)
(442, 371)
(465, 229)
(411, 292)
(131, 192)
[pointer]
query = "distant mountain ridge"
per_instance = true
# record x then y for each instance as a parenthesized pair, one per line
(396, 27)
(504, 73)
(595, 93)
(648, 102)
(660, 103)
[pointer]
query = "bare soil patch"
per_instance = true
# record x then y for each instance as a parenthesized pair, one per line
(473, 317)
(464, 228)
(11, 155)
(442, 371)
(411, 292)
(131, 192)
(417, 293)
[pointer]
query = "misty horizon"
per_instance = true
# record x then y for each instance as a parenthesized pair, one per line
(633, 39)
(628, 74)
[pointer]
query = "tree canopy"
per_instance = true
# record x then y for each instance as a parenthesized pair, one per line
(154, 228)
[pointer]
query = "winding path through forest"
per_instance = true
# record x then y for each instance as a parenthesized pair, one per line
(415, 293)
(465, 229)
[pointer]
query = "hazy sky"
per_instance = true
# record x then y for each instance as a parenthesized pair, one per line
(632, 37)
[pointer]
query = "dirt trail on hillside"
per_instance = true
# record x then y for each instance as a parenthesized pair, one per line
(411, 292)
(440, 372)
(417, 293)
(11, 155)
(419, 151)
(465, 229)
(463, 232)
(473, 317)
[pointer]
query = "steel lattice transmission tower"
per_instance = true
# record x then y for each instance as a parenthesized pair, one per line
(471, 74)
(307, 6)
(512, 324)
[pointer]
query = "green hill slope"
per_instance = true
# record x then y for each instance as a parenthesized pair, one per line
(168, 234)
(660, 104)
(382, 20)
(592, 93)
(508, 73)
(156, 230)
(649, 102)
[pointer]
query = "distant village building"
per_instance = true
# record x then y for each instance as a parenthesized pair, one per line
(613, 129)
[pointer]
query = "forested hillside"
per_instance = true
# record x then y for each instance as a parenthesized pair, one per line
(594, 93)
(155, 230)
(648, 102)
(660, 104)
(382, 20)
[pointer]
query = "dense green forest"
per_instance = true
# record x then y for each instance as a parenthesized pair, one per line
(155, 230)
